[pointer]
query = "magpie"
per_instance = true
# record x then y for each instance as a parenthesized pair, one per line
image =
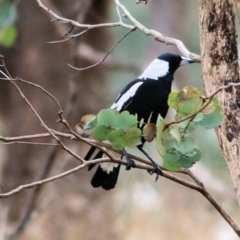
(145, 97)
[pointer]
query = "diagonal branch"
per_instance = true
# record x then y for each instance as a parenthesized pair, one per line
(150, 32)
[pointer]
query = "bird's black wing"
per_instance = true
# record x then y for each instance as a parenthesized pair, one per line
(102, 178)
(125, 98)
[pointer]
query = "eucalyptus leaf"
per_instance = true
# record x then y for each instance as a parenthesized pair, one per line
(101, 133)
(125, 120)
(170, 157)
(185, 146)
(190, 158)
(213, 119)
(107, 117)
(172, 166)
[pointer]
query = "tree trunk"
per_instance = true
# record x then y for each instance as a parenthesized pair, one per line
(219, 67)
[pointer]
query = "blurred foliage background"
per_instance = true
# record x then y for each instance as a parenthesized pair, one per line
(138, 208)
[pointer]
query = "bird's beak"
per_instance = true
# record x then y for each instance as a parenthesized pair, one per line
(186, 60)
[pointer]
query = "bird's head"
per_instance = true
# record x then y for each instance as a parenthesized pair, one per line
(174, 61)
(166, 63)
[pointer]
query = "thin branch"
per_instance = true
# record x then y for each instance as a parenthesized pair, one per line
(79, 25)
(102, 60)
(92, 55)
(33, 143)
(158, 36)
(196, 187)
(43, 90)
(70, 37)
(37, 183)
(39, 118)
(35, 85)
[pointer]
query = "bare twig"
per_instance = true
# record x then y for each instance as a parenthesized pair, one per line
(196, 187)
(35, 85)
(102, 60)
(79, 25)
(158, 36)
(90, 54)
(70, 37)
(39, 118)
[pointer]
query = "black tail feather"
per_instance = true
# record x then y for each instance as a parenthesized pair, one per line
(90, 153)
(98, 155)
(105, 180)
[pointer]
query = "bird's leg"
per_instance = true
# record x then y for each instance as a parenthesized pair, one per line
(156, 167)
(130, 162)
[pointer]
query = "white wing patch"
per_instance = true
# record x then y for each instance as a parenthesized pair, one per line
(126, 96)
(157, 68)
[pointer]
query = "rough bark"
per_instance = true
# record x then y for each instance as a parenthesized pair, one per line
(220, 66)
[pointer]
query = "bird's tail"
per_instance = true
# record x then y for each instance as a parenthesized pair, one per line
(106, 174)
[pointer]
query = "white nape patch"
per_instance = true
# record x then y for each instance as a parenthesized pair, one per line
(108, 166)
(126, 96)
(158, 68)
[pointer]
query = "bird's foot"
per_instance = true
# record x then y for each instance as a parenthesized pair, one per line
(130, 164)
(156, 169)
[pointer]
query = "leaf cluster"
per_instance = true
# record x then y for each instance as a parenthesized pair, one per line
(120, 129)
(174, 144)
(192, 110)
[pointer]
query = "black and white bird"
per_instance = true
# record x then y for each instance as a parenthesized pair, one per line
(147, 97)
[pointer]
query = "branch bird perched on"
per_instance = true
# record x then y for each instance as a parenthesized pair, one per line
(147, 97)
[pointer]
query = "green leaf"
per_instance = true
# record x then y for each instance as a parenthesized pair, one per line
(171, 157)
(132, 137)
(125, 120)
(187, 101)
(198, 117)
(107, 117)
(195, 155)
(8, 14)
(101, 133)
(187, 127)
(173, 100)
(189, 107)
(116, 138)
(185, 146)
(213, 119)
(172, 166)
(175, 133)
(209, 108)
(8, 36)
(190, 158)
(125, 138)
(190, 92)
